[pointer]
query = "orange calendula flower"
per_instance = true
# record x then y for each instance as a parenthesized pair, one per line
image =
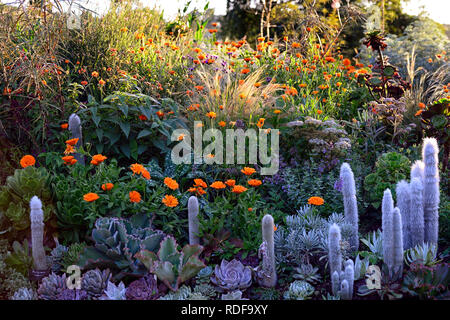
(418, 113)
(64, 126)
(107, 186)
(275, 228)
(260, 123)
(27, 160)
(254, 182)
(72, 142)
(69, 149)
(250, 209)
(139, 169)
(200, 183)
(142, 117)
(218, 185)
(239, 189)
(230, 182)
(170, 201)
(101, 82)
(319, 112)
(277, 111)
(95, 74)
(170, 183)
(97, 159)
(248, 171)
(316, 201)
(422, 105)
(222, 124)
(89, 197)
(69, 160)
(134, 196)
(211, 115)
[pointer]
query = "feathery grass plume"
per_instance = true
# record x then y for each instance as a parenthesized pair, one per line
(75, 128)
(430, 152)
(416, 213)
(268, 275)
(350, 204)
(193, 220)
(37, 234)
(417, 170)
(387, 208)
(403, 193)
(334, 249)
(335, 283)
(397, 249)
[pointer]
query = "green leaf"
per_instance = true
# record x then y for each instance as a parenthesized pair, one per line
(168, 247)
(144, 133)
(126, 150)
(124, 109)
(388, 71)
(125, 126)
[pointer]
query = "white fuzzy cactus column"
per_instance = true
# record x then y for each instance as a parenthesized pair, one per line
(268, 276)
(334, 249)
(416, 235)
(387, 208)
(350, 204)
(75, 128)
(37, 234)
(193, 220)
(397, 250)
(417, 170)
(403, 193)
(430, 152)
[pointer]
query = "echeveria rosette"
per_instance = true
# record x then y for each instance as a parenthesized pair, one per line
(231, 276)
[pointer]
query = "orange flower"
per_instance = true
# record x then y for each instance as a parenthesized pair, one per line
(134, 196)
(139, 169)
(142, 117)
(170, 201)
(217, 185)
(72, 142)
(199, 88)
(222, 124)
(69, 160)
(260, 123)
(97, 159)
(160, 114)
(101, 82)
(200, 183)
(277, 111)
(95, 74)
(146, 174)
(171, 183)
(248, 171)
(245, 71)
(254, 182)
(107, 186)
(230, 182)
(27, 160)
(418, 113)
(346, 62)
(422, 105)
(317, 201)
(69, 149)
(211, 115)
(238, 189)
(64, 126)
(319, 112)
(89, 197)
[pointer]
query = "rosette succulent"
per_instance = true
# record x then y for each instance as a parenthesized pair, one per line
(231, 276)
(94, 282)
(51, 287)
(144, 288)
(299, 290)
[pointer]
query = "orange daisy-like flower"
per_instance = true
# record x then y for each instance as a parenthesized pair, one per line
(101, 82)
(200, 183)
(277, 111)
(64, 126)
(211, 115)
(142, 117)
(245, 71)
(222, 124)
(239, 189)
(422, 105)
(418, 113)
(171, 183)
(72, 142)
(230, 182)
(134, 196)
(69, 149)
(69, 160)
(254, 182)
(260, 123)
(218, 185)
(170, 201)
(107, 186)
(89, 197)
(316, 201)
(27, 161)
(97, 159)
(248, 171)
(95, 74)
(139, 169)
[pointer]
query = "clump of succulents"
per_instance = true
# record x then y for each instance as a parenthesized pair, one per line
(183, 293)
(16, 194)
(24, 294)
(20, 258)
(299, 290)
(171, 266)
(232, 275)
(233, 295)
(117, 241)
(425, 254)
(308, 273)
(114, 292)
(52, 286)
(94, 282)
(55, 258)
(145, 288)
(72, 255)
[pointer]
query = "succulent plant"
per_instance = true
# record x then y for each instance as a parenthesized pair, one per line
(52, 286)
(231, 276)
(114, 292)
(233, 295)
(308, 273)
(16, 194)
(203, 276)
(299, 290)
(183, 293)
(72, 294)
(24, 294)
(20, 259)
(424, 254)
(117, 241)
(72, 255)
(171, 266)
(94, 282)
(56, 256)
(144, 288)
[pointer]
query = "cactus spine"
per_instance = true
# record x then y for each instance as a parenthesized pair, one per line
(430, 152)
(268, 276)
(334, 249)
(387, 208)
(37, 234)
(416, 213)
(75, 128)
(350, 204)
(404, 204)
(193, 220)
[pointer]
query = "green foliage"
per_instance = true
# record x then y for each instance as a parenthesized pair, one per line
(72, 255)
(15, 196)
(20, 259)
(424, 254)
(299, 290)
(373, 241)
(428, 282)
(171, 266)
(117, 240)
(389, 169)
